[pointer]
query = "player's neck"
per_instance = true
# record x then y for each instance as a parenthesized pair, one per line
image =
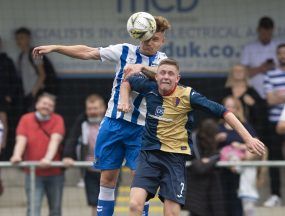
(167, 93)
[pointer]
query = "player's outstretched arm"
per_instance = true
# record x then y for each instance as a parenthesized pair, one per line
(132, 69)
(74, 51)
(124, 104)
(254, 145)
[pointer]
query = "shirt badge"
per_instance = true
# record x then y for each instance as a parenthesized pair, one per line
(175, 101)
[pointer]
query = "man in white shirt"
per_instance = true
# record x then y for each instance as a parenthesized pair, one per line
(260, 56)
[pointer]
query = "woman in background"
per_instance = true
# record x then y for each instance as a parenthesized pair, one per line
(204, 191)
(254, 107)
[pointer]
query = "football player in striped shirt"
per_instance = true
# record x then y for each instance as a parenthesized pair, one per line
(119, 136)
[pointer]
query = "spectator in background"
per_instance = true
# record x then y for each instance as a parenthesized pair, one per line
(39, 136)
(260, 56)
(275, 94)
(226, 138)
(84, 134)
(7, 90)
(255, 108)
(31, 72)
(204, 195)
(1, 150)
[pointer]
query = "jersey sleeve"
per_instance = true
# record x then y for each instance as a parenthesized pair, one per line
(141, 84)
(59, 126)
(111, 53)
(199, 101)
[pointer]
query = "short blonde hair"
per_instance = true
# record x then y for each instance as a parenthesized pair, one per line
(162, 24)
(230, 81)
(170, 61)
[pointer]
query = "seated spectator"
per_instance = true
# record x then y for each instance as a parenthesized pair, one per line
(39, 136)
(204, 191)
(255, 108)
(260, 56)
(84, 133)
(226, 137)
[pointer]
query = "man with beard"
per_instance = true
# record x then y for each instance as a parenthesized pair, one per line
(83, 137)
(274, 84)
(39, 135)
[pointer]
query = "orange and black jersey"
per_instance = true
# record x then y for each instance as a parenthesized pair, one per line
(169, 119)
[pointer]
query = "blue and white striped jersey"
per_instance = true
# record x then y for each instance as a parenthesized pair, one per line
(121, 55)
(275, 81)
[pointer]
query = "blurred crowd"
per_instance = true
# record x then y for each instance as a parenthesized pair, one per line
(254, 91)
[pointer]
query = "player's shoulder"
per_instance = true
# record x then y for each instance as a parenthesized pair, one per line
(183, 91)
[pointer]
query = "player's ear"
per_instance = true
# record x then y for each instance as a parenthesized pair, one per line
(155, 76)
(178, 78)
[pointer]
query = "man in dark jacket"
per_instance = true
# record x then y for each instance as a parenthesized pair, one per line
(83, 135)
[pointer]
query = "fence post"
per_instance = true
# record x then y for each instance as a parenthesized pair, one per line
(33, 188)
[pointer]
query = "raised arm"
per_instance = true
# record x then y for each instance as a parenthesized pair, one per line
(254, 145)
(124, 105)
(74, 51)
(132, 69)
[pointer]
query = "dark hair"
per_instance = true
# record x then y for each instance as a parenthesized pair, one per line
(23, 30)
(207, 131)
(95, 97)
(266, 23)
(280, 46)
(169, 61)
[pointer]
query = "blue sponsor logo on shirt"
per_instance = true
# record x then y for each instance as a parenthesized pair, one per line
(159, 111)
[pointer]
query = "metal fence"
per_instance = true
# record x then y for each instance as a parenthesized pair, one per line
(32, 165)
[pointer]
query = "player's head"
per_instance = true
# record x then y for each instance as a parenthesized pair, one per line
(151, 46)
(238, 73)
(281, 54)
(167, 76)
(265, 29)
(45, 105)
(23, 38)
(95, 108)
(234, 105)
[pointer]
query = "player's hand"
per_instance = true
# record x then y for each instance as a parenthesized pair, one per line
(39, 51)
(15, 159)
(131, 69)
(124, 107)
(255, 146)
(44, 163)
(67, 161)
